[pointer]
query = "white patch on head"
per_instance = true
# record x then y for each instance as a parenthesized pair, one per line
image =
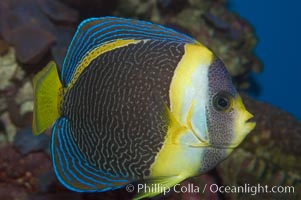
(198, 118)
(196, 94)
(189, 90)
(187, 100)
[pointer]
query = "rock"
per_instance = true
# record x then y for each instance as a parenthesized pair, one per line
(31, 43)
(59, 49)
(4, 47)
(25, 142)
(93, 8)
(8, 69)
(56, 196)
(20, 172)
(216, 22)
(9, 128)
(32, 27)
(58, 12)
(12, 192)
(3, 133)
(173, 6)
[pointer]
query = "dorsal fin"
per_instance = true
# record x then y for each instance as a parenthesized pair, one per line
(95, 32)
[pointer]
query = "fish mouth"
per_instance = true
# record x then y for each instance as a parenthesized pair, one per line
(250, 123)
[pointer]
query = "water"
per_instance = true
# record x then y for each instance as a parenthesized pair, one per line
(278, 27)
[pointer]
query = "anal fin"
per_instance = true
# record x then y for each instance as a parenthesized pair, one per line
(71, 167)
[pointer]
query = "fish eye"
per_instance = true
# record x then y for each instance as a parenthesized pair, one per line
(222, 101)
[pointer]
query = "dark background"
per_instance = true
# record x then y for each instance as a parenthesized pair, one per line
(277, 25)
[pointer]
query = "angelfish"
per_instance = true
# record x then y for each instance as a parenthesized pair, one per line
(137, 102)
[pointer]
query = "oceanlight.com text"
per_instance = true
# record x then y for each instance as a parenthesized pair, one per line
(251, 189)
(213, 188)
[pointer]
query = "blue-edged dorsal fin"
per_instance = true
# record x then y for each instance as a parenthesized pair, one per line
(94, 32)
(71, 167)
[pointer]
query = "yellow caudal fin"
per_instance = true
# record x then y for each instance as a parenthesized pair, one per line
(47, 86)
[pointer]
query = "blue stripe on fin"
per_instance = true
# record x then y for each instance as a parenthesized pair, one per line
(95, 32)
(71, 167)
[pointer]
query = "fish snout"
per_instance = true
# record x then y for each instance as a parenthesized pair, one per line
(250, 122)
(243, 125)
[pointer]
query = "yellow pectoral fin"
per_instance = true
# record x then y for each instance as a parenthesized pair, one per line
(177, 157)
(179, 134)
(199, 145)
(156, 186)
(175, 128)
(47, 98)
